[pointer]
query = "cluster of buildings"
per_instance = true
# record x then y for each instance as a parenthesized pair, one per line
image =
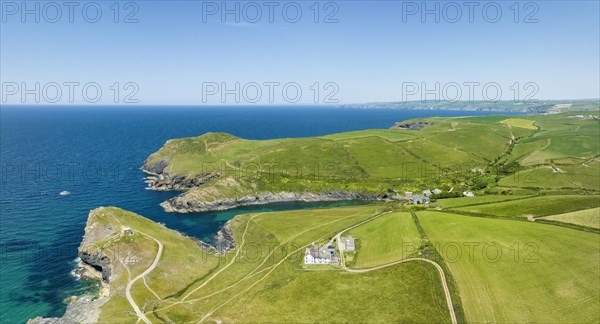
(423, 198)
(583, 117)
(327, 253)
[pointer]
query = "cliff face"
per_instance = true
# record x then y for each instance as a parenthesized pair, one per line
(96, 264)
(192, 203)
(91, 252)
(222, 193)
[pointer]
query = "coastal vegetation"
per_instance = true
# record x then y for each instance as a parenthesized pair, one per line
(262, 277)
(466, 219)
(530, 155)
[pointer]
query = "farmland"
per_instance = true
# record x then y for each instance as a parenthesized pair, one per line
(526, 188)
(509, 271)
(534, 206)
(388, 238)
(532, 153)
(263, 275)
(586, 217)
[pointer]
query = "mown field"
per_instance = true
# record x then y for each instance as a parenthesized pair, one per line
(534, 206)
(509, 271)
(389, 238)
(408, 292)
(587, 217)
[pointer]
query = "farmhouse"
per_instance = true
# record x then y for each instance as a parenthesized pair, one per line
(436, 191)
(419, 200)
(323, 255)
(427, 193)
(469, 194)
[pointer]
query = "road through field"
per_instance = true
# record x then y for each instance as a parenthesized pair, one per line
(437, 266)
(139, 313)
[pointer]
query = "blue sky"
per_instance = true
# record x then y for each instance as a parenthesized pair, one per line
(370, 54)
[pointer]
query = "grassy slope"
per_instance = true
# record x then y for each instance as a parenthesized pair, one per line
(407, 293)
(365, 161)
(587, 217)
(478, 200)
(386, 239)
(535, 206)
(380, 161)
(554, 278)
(266, 281)
(520, 122)
(182, 260)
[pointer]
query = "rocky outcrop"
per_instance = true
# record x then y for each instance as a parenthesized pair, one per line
(95, 261)
(223, 242)
(181, 204)
(159, 179)
(412, 126)
(91, 255)
(96, 264)
(157, 167)
(85, 309)
(164, 181)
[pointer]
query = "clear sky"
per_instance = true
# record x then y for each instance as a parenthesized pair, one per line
(186, 52)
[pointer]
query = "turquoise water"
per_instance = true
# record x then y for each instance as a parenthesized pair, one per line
(95, 154)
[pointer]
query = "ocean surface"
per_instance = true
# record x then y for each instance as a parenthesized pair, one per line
(95, 154)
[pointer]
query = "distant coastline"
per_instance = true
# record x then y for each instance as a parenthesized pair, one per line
(532, 106)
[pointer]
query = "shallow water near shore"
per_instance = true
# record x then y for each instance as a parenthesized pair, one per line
(95, 154)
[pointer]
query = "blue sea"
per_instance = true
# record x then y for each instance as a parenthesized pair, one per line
(95, 154)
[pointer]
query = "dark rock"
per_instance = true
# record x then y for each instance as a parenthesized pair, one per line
(412, 126)
(181, 204)
(98, 261)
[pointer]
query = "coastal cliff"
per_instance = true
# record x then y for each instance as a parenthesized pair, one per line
(186, 203)
(208, 184)
(119, 244)
(96, 264)
(222, 193)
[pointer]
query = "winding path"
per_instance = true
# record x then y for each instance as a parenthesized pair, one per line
(140, 314)
(437, 266)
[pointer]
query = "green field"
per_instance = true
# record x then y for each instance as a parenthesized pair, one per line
(408, 292)
(544, 167)
(389, 238)
(587, 217)
(264, 275)
(547, 177)
(478, 200)
(554, 276)
(520, 122)
(541, 152)
(535, 206)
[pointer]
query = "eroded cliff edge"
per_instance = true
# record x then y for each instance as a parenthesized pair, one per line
(117, 244)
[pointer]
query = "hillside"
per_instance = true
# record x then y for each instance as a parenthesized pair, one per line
(532, 154)
(157, 275)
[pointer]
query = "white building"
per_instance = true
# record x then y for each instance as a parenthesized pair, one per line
(469, 194)
(325, 255)
(349, 245)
